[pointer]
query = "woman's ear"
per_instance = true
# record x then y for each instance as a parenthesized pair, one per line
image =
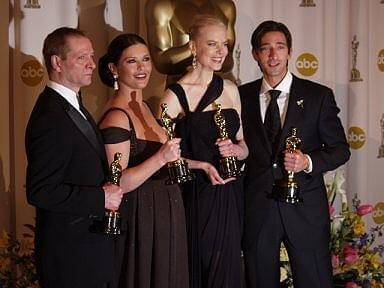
(192, 47)
(112, 68)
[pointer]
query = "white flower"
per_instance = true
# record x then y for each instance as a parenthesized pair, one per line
(300, 103)
(337, 220)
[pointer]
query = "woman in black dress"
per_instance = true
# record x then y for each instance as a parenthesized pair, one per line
(152, 252)
(214, 206)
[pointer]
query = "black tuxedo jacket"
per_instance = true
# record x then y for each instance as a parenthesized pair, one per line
(66, 169)
(312, 110)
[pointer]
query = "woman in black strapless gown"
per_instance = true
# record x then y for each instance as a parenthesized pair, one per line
(214, 206)
(152, 252)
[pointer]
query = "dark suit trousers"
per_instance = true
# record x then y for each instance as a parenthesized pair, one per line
(262, 259)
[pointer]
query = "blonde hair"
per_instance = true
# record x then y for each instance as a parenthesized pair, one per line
(203, 20)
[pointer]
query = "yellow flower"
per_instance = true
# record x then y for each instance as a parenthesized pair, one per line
(359, 229)
(4, 241)
(5, 264)
(376, 261)
(26, 245)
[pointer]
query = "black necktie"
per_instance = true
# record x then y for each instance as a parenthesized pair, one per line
(272, 122)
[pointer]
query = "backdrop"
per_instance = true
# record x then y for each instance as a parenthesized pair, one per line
(337, 43)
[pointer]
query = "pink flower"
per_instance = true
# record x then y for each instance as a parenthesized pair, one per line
(331, 210)
(350, 255)
(364, 209)
(335, 261)
(351, 285)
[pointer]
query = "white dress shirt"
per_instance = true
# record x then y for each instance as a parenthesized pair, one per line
(282, 101)
(68, 94)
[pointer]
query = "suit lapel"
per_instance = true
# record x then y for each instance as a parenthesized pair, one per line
(87, 129)
(295, 112)
(256, 116)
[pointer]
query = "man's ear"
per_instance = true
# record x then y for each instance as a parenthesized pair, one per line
(255, 56)
(56, 63)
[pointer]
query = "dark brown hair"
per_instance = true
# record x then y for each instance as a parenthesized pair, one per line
(270, 26)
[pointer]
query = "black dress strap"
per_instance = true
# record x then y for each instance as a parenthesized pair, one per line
(113, 135)
(214, 90)
(180, 93)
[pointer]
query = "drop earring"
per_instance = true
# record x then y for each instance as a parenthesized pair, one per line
(194, 62)
(115, 82)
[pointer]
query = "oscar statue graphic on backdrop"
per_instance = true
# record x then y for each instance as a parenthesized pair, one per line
(112, 218)
(228, 165)
(307, 3)
(237, 59)
(178, 170)
(381, 148)
(289, 190)
(355, 73)
(32, 4)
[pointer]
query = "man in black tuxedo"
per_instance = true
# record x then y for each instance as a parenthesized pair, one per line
(267, 118)
(66, 172)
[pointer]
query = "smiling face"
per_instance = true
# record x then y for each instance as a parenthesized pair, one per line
(210, 46)
(272, 56)
(75, 69)
(134, 67)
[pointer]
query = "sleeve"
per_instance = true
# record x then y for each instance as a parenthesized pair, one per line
(335, 148)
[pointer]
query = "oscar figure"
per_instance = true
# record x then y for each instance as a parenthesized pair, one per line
(289, 192)
(228, 165)
(355, 73)
(381, 148)
(178, 170)
(112, 219)
(307, 3)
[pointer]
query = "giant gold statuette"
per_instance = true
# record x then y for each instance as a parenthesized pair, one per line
(289, 192)
(228, 165)
(112, 218)
(177, 170)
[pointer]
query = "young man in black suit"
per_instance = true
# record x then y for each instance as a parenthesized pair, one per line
(66, 172)
(304, 227)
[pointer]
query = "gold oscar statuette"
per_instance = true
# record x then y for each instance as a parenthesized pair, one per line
(381, 148)
(228, 165)
(177, 170)
(289, 192)
(112, 218)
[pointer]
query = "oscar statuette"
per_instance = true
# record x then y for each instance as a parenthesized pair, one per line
(112, 220)
(228, 165)
(289, 192)
(177, 170)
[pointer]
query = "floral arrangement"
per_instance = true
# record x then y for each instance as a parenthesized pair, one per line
(356, 261)
(17, 263)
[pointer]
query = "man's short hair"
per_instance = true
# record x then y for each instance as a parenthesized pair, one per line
(270, 26)
(56, 43)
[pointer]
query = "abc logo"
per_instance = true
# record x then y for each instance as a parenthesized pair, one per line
(356, 137)
(307, 64)
(32, 72)
(380, 60)
(378, 213)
